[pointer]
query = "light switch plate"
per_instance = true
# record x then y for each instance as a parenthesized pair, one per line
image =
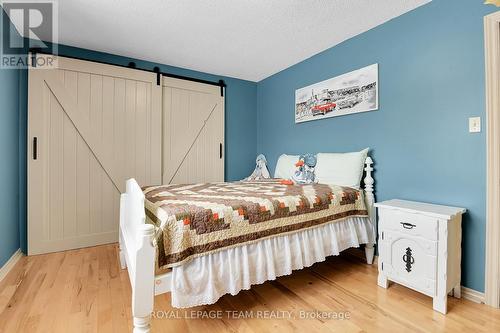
(474, 124)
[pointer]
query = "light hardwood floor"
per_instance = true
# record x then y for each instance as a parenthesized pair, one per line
(85, 291)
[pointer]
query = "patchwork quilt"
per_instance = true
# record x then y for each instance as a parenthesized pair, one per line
(193, 220)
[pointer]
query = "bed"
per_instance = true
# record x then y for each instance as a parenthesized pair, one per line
(201, 241)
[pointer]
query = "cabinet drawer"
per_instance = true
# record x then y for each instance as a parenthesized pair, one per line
(409, 224)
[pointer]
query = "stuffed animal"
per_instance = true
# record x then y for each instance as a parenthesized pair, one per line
(305, 169)
(260, 171)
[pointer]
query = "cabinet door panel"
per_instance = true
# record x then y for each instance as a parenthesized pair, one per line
(411, 261)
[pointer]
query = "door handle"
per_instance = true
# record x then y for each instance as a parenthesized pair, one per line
(35, 148)
(220, 150)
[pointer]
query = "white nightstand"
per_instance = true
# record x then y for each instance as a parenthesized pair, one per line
(419, 247)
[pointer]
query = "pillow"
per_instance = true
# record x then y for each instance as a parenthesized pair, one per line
(285, 167)
(344, 169)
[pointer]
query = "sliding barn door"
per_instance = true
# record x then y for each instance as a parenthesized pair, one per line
(90, 127)
(193, 132)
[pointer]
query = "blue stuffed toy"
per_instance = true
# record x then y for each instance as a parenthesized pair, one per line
(260, 171)
(305, 169)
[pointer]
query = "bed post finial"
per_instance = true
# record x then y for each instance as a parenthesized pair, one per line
(370, 201)
(368, 178)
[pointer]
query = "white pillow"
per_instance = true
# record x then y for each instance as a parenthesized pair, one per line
(344, 169)
(285, 167)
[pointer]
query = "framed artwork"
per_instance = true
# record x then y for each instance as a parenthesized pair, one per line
(352, 92)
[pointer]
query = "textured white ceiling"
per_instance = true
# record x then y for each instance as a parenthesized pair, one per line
(247, 39)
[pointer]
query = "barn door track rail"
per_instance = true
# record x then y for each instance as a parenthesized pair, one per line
(133, 65)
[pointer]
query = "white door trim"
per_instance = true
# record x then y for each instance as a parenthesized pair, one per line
(492, 58)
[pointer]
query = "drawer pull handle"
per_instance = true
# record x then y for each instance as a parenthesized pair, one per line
(407, 225)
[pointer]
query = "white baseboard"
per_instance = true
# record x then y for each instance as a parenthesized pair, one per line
(10, 263)
(472, 295)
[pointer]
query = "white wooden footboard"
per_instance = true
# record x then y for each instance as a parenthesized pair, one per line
(137, 253)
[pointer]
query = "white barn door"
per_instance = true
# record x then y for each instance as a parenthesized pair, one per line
(193, 132)
(90, 127)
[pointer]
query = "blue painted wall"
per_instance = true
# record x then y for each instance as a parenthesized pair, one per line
(431, 79)
(9, 165)
(240, 121)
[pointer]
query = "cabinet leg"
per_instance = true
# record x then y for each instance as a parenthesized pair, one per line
(440, 303)
(123, 262)
(457, 291)
(382, 281)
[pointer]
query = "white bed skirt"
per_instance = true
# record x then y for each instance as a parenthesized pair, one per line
(205, 279)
